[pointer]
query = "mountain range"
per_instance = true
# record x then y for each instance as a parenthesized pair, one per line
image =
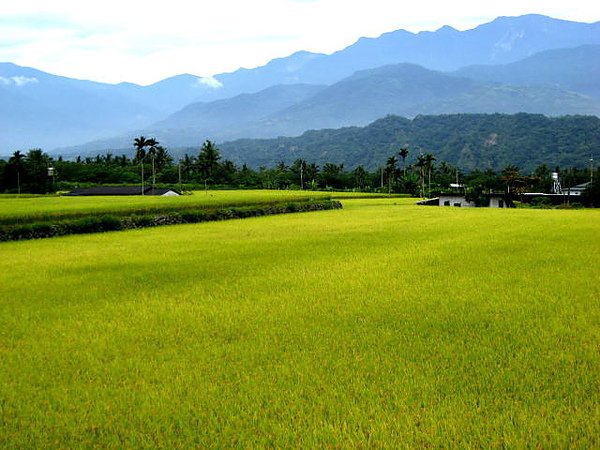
(513, 64)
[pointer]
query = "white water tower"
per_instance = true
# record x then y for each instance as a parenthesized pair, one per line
(556, 188)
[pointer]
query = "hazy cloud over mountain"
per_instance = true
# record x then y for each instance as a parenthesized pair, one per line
(143, 42)
(211, 82)
(18, 80)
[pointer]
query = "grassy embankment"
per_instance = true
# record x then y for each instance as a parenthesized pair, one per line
(40, 208)
(49, 216)
(380, 325)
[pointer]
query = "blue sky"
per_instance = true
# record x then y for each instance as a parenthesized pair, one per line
(143, 41)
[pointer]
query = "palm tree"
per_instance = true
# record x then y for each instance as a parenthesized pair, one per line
(208, 159)
(36, 167)
(16, 161)
(421, 164)
(403, 154)
(360, 175)
(429, 159)
(153, 145)
(390, 168)
(188, 165)
(140, 145)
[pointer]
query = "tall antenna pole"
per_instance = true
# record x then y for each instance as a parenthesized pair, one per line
(179, 171)
(591, 170)
(153, 174)
(142, 176)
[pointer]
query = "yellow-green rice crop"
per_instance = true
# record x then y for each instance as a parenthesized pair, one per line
(380, 325)
(28, 209)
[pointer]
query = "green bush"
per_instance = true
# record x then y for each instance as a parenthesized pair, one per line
(96, 224)
(541, 203)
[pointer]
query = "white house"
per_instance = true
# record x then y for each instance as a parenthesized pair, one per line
(456, 200)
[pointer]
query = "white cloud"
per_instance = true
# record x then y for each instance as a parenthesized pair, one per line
(18, 80)
(22, 81)
(144, 42)
(210, 82)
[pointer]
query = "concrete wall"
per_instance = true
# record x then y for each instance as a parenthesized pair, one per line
(458, 200)
(455, 200)
(497, 202)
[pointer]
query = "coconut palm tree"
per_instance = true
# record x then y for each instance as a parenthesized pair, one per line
(36, 166)
(16, 163)
(403, 154)
(421, 164)
(208, 159)
(152, 148)
(429, 159)
(390, 168)
(360, 175)
(140, 145)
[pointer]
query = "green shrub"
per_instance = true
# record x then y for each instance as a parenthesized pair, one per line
(93, 224)
(541, 203)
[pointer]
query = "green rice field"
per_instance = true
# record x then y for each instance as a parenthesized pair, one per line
(381, 325)
(33, 208)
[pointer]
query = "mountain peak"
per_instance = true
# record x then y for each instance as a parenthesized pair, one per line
(447, 29)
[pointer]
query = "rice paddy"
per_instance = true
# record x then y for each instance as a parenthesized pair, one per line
(380, 325)
(35, 208)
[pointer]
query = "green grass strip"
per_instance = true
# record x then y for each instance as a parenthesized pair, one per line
(60, 226)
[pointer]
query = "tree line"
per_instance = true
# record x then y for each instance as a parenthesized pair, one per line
(152, 164)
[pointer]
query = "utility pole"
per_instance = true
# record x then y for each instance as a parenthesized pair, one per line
(153, 174)
(591, 170)
(179, 172)
(302, 175)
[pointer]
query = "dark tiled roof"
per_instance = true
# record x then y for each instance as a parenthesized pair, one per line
(118, 190)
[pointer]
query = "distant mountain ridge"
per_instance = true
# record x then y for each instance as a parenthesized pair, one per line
(38, 109)
(504, 40)
(409, 90)
(48, 111)
(233, 114)
(575, 69)
(403, 89)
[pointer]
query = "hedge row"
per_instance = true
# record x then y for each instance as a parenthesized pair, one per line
(98, 224)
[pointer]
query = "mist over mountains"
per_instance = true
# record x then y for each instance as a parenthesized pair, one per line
(530, 64)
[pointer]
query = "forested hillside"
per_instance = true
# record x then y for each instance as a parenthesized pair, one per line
(469, 141)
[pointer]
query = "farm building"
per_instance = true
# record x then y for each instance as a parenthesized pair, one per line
(577, 190)
(574, 193)
(495, 201)
(122, 190)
